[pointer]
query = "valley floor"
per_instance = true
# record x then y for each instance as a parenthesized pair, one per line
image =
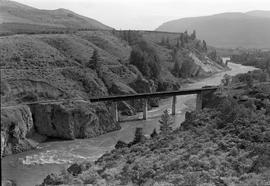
(29, 168)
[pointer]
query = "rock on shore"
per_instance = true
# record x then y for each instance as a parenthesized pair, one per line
(16, 127)
(72, 120)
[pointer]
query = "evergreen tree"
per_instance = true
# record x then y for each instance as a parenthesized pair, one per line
(176, 69)
(213, 55)
(177, 43)
(93, 63)
(166, 123)
(145, 58)
(193, 35)
(113, 31)
(186, 36)
(168, 42)
(267, 65)
(182, 40)
(204, 46)
(198, 45)
(163, 42)
(138, 58)
(249, 80)
(138, 135)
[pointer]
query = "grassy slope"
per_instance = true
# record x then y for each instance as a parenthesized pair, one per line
(53, 53)
(225, 145)
(16, 16)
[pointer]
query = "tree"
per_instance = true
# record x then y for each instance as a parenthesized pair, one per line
(163, 42)
(182, 40)
(137, 58)
(226, 81)
(93, 63)
(204, 46)
(168, 42)
(166, 123)
(193, 35)
(249, 80)
(198, 45)
(186, 36)
(267, 65)
(146, 59)
(177, 43)
(138, 135)
(176, 67)
(213, 55)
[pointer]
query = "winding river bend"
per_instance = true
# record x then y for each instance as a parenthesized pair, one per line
(30, 168)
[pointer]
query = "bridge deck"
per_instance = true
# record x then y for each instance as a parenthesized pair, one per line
(122, 97)
(151, 95)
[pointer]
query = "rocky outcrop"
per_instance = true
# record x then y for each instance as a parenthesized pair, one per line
(126, 108)
(72, 120)
(8, 183)
(119, 88)
(27, 90)
(16, 128)
(22, 128)
(142, 85)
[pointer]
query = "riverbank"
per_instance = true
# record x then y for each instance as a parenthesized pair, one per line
(29, 168)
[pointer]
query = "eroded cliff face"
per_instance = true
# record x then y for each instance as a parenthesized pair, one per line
(72, 120)
(21, 125)
(16, 127)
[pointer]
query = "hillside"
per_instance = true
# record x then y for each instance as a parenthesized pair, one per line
(59, 65)
(259, 13)
(16, 17)
(225, 144)
(249, 30)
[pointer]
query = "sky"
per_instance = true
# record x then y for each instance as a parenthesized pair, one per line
(147, 14)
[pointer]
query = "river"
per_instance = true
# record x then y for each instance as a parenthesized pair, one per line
(31, 167)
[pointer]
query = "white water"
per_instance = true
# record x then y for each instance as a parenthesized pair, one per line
(30, 168)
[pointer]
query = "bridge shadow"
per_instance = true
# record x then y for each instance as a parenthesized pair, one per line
(138, 117)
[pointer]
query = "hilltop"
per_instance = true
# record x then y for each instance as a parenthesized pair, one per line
(16, 17)
(249, 30)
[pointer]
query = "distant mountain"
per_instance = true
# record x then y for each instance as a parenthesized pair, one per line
(259, 13)
(15, 16)
(250, 29)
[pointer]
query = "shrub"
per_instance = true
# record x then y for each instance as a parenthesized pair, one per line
(154, 133)
(166, 123)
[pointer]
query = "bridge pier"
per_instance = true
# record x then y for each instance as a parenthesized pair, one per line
(174, 105)
(145, 109)
(115, 112)
(199, 101)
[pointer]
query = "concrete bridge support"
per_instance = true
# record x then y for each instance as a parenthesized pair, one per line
(199, 101)
(115, 112)
(145, 106)
(174, 105)
(145, 96)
